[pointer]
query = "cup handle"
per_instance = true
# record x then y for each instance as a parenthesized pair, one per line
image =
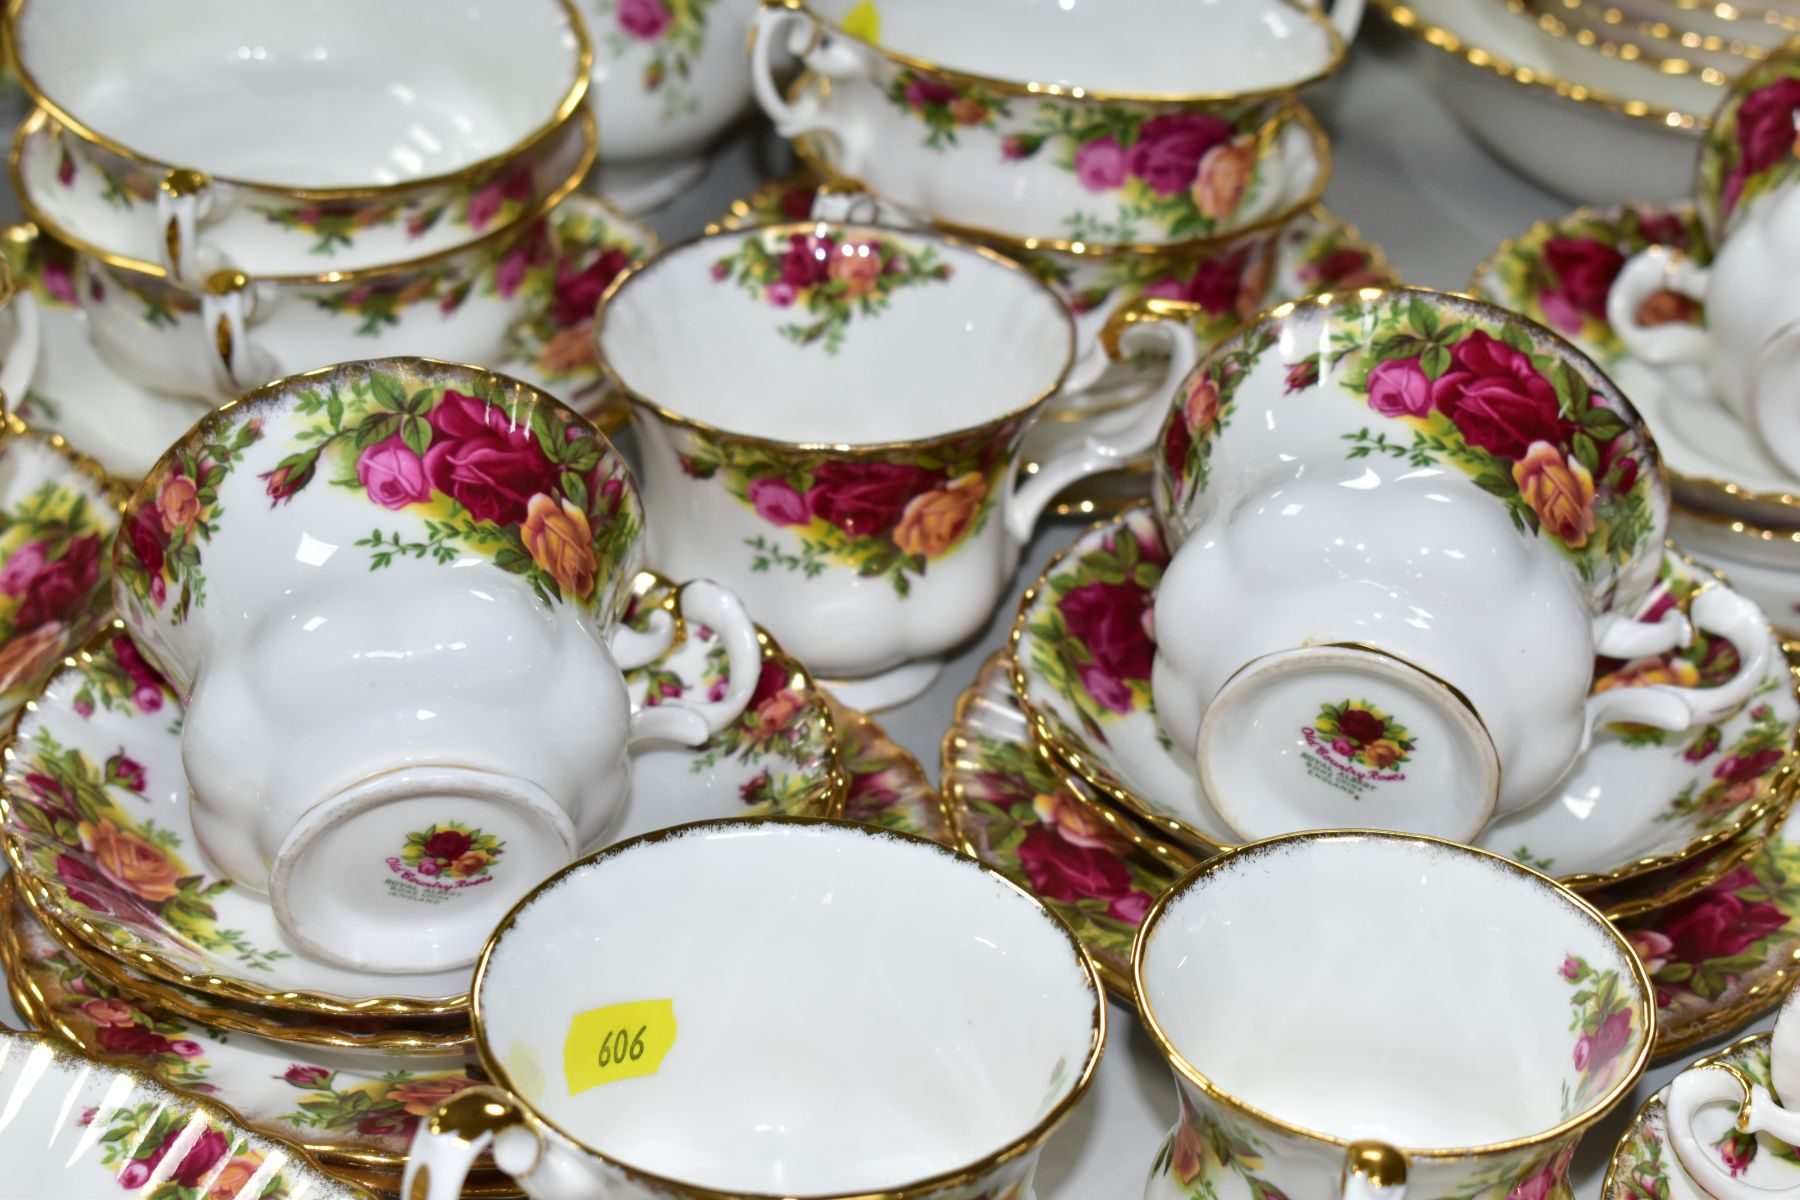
(806, 114)
(1717, 610)
(692, 722)
(1758, 1112)
(1373, 1171)
(183, 200)
(1131, 430)
(453, 1136)
(1651, 270)
(226, 305)
(22, 355)
(1774, 404)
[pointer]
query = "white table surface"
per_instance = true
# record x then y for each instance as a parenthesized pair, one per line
(1415, 184)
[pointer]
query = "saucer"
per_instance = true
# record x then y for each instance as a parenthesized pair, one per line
(1644, 1166)
(1717, 959)
(1081, 661)
(126, 426)
(887, 786)
(77, 1129)
(1559, 273)
(95, 819)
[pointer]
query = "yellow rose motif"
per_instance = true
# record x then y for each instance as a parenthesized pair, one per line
(1559, 490)
(1224, 174)
(856, 267)
(472, 863)
(965, 111)
(1678, 672)
(1382, 754)
(1202, 407)
(178, 503)
(570, 350)
(1071, 820)
(142, 869)
(937, 520)
(559, 540)
(232, 1178)
(419, 1096)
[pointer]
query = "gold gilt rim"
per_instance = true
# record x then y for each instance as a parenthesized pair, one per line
(920, 1189)
(1722, 861)
(1652, 30)
(479, 1184)
(1611, 1184)
(1758, 999)
(1013, 87)
(856, 450)
(115, 490)
(216, 1110)
(954, 765)
(1729, 10)
(809, 153)
(28, 997)
(1645, 1003)
(1779, 791)
(1739, 527)
(1726, 490)
(568, 106)
(740, 215)
(242, 991)
(1486, 60)
(1550, 25)
(32, 124)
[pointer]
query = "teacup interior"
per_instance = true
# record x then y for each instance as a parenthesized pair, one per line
(306, 93)
(1160, 47)
(854, 1011)
(836, 334)
(1388, 988)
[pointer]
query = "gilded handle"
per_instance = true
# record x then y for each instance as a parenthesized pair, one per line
(1373, 1171)
(182, 200)
(225, 307)
(456, 1133)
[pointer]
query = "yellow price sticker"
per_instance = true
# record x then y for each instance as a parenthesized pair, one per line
(620, 1041)
(864, 21)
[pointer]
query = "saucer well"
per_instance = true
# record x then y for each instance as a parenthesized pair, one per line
(1082, 652)
(125, 426)
(1717, 959)
(94, 817)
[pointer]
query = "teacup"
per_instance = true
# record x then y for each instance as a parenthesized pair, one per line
(238, 331)
(1753, 1109)
(1352, 481)
(20, 340)
(376, 142)
(390, 595)
(668, 79)
(864, 505)
(1404, 1015)
(929, 104)
(921, 1024)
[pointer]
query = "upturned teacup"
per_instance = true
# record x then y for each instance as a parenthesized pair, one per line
(920, 1024)
(390, 595)
(376, 142)
(1062, 122)
(1736, 1108)
(237, 331)
(833, 429)
(1422, 518)
(669, 77)
(1405, 1015)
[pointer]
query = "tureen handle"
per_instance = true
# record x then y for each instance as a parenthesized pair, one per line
(803, 114)
(1709, 1083)
(1373, 1171)
(454, 1135)
(1649, 271)
(701, 602)
(1717, 610)
(1128, 429)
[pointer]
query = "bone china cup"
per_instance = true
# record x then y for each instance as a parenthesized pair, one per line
(816, 1008)
(390, 594)
(376, 141)
(1422, 518)
(1072, 122)
(1730, 1102)
(832, 428)
(1404, 1016)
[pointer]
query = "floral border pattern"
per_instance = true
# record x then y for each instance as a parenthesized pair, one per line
(1752, 148)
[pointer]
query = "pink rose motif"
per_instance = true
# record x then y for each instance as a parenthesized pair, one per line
(510, 274)
(776, 502)
(578, 291)
(484, 461)
(1100, 164)
(1651, 947)
(781, 293)
(643, 19)
(147, 682)
(306, 1077)
(866, 499)
(921, 92)
(1398, 388)
(59, 588)
(1737, 1151)
(1571, 970)
(392, 474)
(23, 567)
(1342, 747)
(429, 867)
(1108, 618)
(59, 281)
(186, 1048)
(1584, 269)
(1751, 766)
(1765, 133)
(1497, 399)
(1167, 153)
(1214, 285)
(127, 771)
(1606, 1042)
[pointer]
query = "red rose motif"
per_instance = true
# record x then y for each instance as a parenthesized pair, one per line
(1361, 727)
(807, 261)
(1584, 269)
(1765, 126)
(578, 291)
(643, 19)
(1346, 266)
(770, 682)
(59, 588)
(866, 499)
(1717, 923)
(1497, 399)
(1061, 870)
(1167, 153)
(489, 464)
(448, 844)
(1109, 619)
(146, 534)
(1176, 441)
(133, 1041)
(387, 1124)
(1606, 1042)
(143, 675)
(1751, 766)
(1214, 284)
(921, 91)
(306, 1077)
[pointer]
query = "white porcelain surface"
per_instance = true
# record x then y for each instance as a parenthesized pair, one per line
(1527, 989)
(866, 507)
(1762, 564)
(993, 1021)
(1760, 1110)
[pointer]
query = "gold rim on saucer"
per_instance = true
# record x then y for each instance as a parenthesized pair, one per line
(1541, 14)
(1475, 56)
(1678, 39)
